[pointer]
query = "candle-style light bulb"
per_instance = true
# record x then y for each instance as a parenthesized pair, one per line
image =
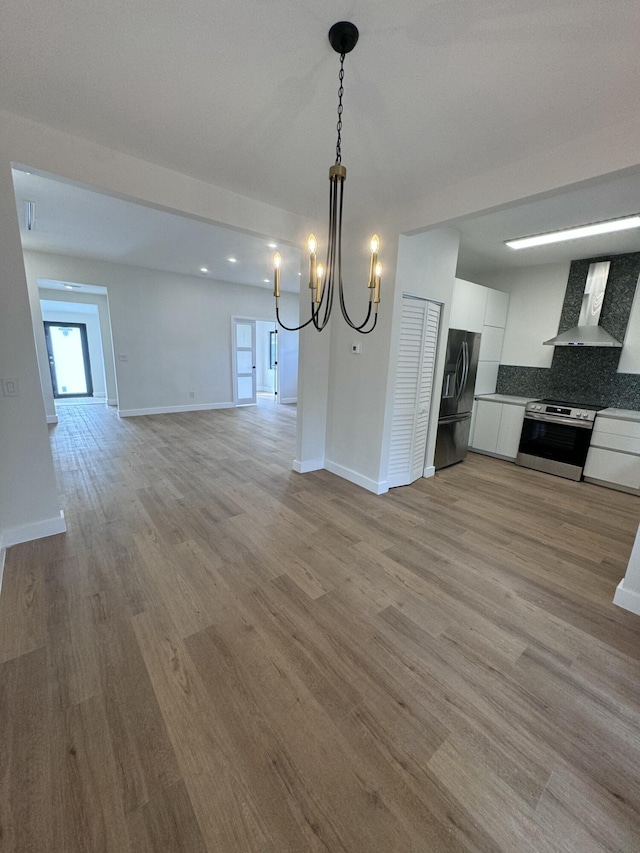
(277, 260)
(312, 244)
(375, 245)
(320, 276)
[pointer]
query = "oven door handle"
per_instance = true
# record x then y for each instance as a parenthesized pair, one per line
(552, 419)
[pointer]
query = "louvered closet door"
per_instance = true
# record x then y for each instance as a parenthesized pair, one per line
(413, 390)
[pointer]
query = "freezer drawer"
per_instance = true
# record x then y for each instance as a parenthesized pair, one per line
(452, 441)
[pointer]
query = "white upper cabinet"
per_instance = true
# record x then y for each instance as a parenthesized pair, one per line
(497, 307)
(491, 344)
(468, 306)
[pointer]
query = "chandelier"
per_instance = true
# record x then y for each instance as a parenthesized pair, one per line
(324, 280)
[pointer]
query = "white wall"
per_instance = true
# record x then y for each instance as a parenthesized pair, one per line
(535, 304)
(52, 313)
(29, 505)
(171, 333)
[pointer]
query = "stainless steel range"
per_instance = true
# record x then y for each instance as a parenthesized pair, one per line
(555, 437)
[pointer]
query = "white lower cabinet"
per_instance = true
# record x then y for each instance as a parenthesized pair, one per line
(510, 429)
(497, 428)
(614, 455)
(614, 467)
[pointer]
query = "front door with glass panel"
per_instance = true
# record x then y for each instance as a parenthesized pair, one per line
(68, 352)
(244, 362)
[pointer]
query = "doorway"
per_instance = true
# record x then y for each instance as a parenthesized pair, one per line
(255, 361)
(68, 352)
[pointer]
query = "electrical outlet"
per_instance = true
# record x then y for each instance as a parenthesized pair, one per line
(10, 388)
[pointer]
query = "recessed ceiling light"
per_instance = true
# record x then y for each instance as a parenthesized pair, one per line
(203, 269)
(232, 260)
(607, 227)
(299, 273)
(72, 287)
(272, 245)
(266, 280)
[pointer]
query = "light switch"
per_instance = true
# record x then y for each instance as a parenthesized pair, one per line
(123, 357)
(356, 349)
(10, 387)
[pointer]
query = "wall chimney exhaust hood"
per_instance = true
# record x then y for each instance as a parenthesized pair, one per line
(588, 333)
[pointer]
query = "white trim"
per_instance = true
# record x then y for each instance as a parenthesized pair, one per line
(429, 471)
(111, 402)
(306, 467)
(52, 419)
(286, 400)
(167, 410)
(378, 487)
(35, 530)
(3, 554)
(627, 598)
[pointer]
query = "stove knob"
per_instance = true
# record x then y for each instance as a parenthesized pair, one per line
(578, 414)
(538, 408)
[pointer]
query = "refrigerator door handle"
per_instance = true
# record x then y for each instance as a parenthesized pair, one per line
(458, 383)
(464, 364)
(465, 347)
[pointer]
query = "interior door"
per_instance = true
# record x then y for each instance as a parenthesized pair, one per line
(413, 390)
(68, 352)
(244, 362)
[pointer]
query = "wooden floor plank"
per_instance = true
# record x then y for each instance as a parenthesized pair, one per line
(224, 656)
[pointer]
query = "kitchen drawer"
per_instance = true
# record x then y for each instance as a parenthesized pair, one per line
(616, 426)
(613, 441)
(613, 467)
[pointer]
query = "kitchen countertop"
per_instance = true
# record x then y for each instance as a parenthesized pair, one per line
(620, 414)
(514, 401)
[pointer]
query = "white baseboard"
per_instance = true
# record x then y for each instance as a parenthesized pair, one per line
(52, 419)
(308, 465)
(378, 487)
(3, 553)
(168, 410)
(286, 400)
(36, 530)
(429, 471)
(627, 598)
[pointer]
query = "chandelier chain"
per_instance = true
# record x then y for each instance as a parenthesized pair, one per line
(339, 125)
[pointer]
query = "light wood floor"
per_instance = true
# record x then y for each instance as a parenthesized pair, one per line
(222, 655)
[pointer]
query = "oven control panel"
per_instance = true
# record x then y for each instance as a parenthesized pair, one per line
(560, 410)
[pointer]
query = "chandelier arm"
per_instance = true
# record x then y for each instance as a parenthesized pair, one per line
(292, 328)
(343, 307)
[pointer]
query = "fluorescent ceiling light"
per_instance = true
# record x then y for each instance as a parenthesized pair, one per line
(607, 227)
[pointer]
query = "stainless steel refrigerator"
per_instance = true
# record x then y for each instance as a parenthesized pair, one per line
(458, 387)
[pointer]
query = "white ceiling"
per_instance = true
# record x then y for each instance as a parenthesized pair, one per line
(73, 220)
(243, 94)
